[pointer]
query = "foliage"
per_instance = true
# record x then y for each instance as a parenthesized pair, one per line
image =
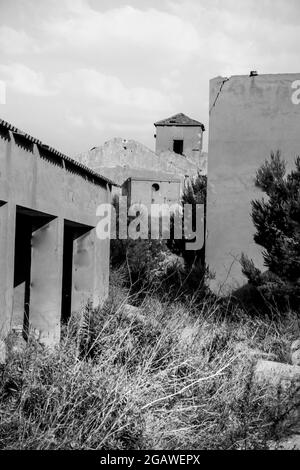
(277, 223)
(194, 193)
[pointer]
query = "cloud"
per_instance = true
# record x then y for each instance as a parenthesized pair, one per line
(116, 67)
(110, 90)
(23, 79)
(237, 37)
(16, 42)
(126, 27)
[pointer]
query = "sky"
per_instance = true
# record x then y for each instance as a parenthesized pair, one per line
(80, 72)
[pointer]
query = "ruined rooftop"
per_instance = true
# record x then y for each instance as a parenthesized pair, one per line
(180, 119)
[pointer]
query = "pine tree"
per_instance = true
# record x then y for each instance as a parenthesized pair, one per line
(194, 193)
(277, 223)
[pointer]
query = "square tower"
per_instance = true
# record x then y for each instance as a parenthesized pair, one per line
(180, 134)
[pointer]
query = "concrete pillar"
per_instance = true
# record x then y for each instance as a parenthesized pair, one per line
(7, 248)
(89, 258)
(46, 282)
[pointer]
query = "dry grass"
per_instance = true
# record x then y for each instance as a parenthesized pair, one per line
(179, 378)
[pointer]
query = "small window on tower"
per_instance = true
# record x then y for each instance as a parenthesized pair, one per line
(178, 146)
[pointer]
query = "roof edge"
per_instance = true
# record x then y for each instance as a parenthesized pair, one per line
(80, 166)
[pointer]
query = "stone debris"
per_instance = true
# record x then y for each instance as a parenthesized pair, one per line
(276, 373)
(290, 443)
(283, 384)
(295, 346)
(2, 352)
(295, 358)
(295, 352)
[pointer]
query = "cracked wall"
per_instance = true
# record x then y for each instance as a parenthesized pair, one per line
(249, 117)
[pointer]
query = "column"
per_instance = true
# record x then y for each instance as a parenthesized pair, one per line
(46, 282)
(90, 270)
(7, 249)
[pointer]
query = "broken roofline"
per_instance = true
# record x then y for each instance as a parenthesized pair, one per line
(179, 120)
(82, 169)
(259, 75)
(254, 75)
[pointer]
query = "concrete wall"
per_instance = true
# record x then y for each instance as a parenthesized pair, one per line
(249, 117)
(39, 187)
(191, 136)
(152, 192)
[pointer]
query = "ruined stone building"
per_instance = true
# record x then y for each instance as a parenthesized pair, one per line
(152, 188)
(121, 159)
(52, 262)
(249, 117)
(182, 135)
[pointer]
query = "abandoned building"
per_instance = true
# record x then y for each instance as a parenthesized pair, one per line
(123, 160)
(249, 117)
(180, 134)
(52, 263)
(152, 188)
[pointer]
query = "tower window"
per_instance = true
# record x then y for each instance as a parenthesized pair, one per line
(178, 146)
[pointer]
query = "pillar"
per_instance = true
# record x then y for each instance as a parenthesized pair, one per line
(90, 270)
(46, 282)
(7, 248)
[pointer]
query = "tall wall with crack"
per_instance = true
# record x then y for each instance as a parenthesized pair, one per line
(249, 117)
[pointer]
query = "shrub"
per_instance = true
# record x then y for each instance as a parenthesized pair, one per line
(194, 193)
(277, 223)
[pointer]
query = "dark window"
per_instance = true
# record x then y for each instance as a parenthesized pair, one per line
(178, 146)
(155, 187)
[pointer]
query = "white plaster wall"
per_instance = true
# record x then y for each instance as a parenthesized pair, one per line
(142, 193)
(191, 136)
(249, 117)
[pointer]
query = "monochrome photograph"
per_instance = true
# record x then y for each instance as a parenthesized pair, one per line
(150, 231)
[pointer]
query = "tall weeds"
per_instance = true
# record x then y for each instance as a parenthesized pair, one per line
(170, 376)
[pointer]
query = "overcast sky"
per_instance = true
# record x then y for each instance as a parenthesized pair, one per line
(79, 72)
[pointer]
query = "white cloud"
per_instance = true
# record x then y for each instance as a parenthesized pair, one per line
(16, 42)
(237, 37)
(84, 27)
(111, 68)
(110, 90)
(25, 80)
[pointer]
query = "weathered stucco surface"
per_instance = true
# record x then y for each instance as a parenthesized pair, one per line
(249, 117)
(41, 197)
(192, 141)
(117, 157)
(147, 192)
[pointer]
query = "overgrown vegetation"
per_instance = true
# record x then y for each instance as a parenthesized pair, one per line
(277, 223)
(176, 373)
(165, 264)
(168, 377)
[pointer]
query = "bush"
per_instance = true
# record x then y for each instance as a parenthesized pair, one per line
(194, 193)
(277, 223)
